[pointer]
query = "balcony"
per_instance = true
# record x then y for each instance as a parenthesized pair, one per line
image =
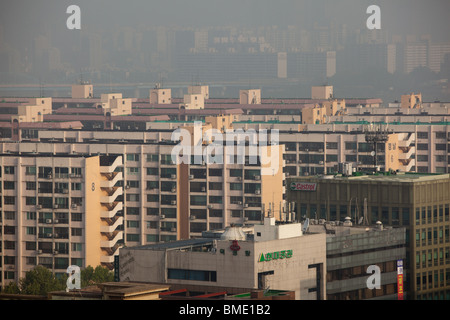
(106, 166)
(112, 240)
(111, 210)
(111, 179)
(111, 195)
(111, 228)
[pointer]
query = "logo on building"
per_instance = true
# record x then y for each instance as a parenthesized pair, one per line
(303, 186)
(235, 246)
(277, 255)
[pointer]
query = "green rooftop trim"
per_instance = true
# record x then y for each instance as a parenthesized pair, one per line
(442, 123)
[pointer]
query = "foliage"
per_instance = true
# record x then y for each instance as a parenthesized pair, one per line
(41, 281)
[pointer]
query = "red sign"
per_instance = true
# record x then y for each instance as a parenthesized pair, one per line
(303, 186)
(235, 246)
(400, 286)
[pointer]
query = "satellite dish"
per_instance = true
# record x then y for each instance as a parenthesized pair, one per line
(372, 153)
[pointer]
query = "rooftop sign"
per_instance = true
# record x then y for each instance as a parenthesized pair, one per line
(284, 254)
(303, 186)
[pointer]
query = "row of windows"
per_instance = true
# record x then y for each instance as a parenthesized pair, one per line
(432, 214)
(43, 172)
(433, 279)
(46, 247)
(430, 258)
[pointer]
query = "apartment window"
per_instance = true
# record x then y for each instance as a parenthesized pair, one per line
(75, 171)
(10, 215)
(30, 230)
(75, 186)
(133, 237)
(441, 147)
(170, 213)
(422, 146)
(152, 185)
(215, 199)
(30, 201)
(30, 245)
(440, 135)
(198, 200)
(350, 158)
(31, 215)
(30, 185)
(350, 146)
(152, 198)
(152, 211)
(77, 246)
(132, 224)
(133, 211)
(133, 157)
(9, 200)
(422, 135)
(235, 186)
(235, 173)
(132, 197)
(168, 172)
(76, 216)
(440, 158)
(9, 169)
(331, 158)
(76, 231)
(422, 157)
(30, 170)
(133, 170)
(332, 145)
(215, 172)
(152, 171)
(215, 186)
(133, 184)
(9, 185)
(152, 158)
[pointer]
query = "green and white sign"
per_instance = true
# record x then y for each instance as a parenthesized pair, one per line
(277, 255)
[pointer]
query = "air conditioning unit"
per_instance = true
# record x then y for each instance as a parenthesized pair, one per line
(210, 206)
(173, 202)
(127, 187)
(49, 235)
(192, 217)
(55, 252)
(174, 190)
(56, 235)
(48, 220)
(240, 178)
(173, 176)
(49, 176)
(245, 205)
(257, 177)
(257, 191)
(173, 229)
(74, 205)
(72, 175)
(65, 191)
(320, 162)
(191, 177)
(203, 189)
(239, 202)
(38, 207)
(300, 161)
(56, 221)
(245, 219)
(162, 216)
(39, 252)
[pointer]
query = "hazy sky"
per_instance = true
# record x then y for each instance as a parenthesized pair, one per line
(22, 19)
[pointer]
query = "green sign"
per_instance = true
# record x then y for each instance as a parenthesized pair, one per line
(277, 255)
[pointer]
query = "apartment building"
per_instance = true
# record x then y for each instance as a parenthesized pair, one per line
(418, 202)
(58, 210)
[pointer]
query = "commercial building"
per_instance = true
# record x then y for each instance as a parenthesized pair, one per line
(278, 257)
(418, 202)
(354, 251)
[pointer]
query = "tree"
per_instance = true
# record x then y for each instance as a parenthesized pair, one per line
(90, 276)
(40, 281)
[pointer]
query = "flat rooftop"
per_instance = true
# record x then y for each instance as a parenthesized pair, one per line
(176, 245)
(383, 176)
